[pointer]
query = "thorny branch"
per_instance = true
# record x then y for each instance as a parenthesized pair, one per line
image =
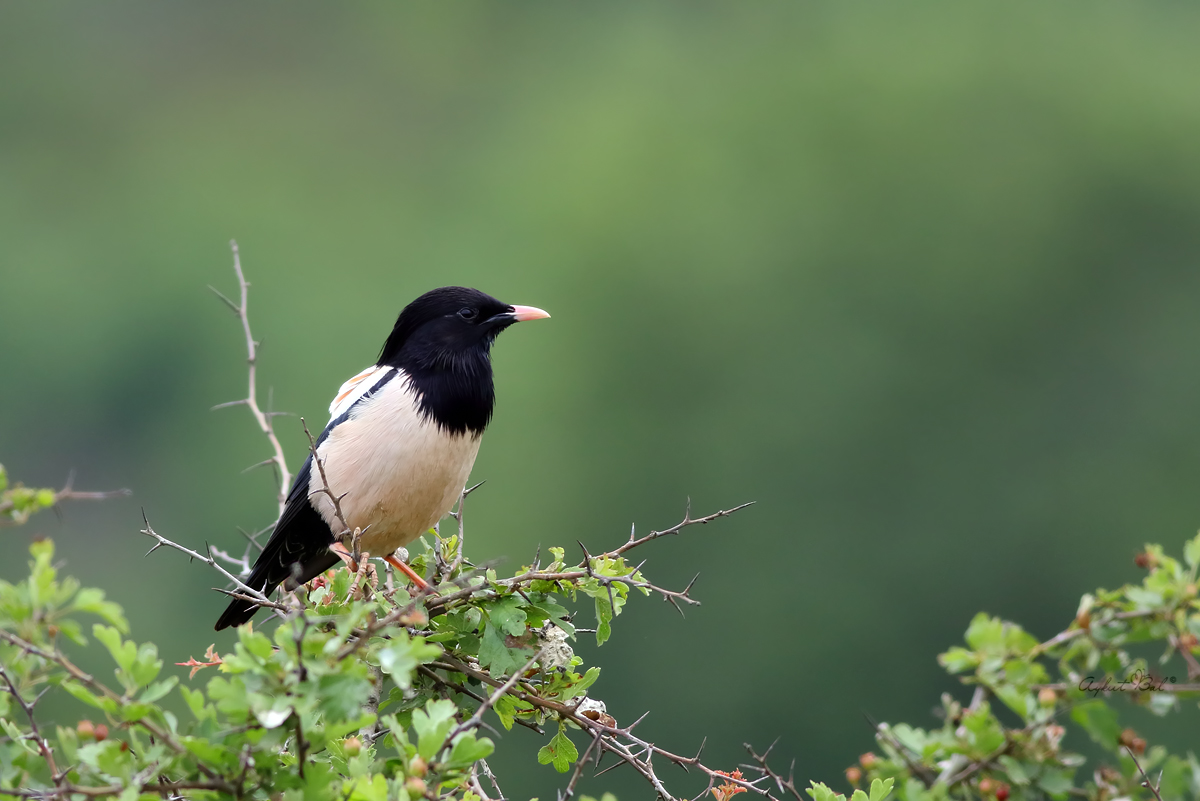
(264, 419)
(586, 567)
(336, 500)
(245, 591)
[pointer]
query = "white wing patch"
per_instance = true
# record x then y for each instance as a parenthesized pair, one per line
(355, 388)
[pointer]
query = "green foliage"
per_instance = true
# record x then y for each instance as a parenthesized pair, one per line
(18, 502)
(362, 691)
(1093, 665)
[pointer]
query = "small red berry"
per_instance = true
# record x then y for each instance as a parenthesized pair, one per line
(86, 730)
(101, 732)
(868, 760)
(854, 774)
(1002, 793)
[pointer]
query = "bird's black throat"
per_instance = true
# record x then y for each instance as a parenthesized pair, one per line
(458, 397)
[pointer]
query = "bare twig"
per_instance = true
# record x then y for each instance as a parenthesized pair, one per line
(336, 500)
(246, 591)
(761, 766)
(264, 420)
(27, 706)
(585, 568)
(1146, 779)
(67, 493)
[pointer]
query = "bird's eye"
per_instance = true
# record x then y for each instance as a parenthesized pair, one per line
(467, 313)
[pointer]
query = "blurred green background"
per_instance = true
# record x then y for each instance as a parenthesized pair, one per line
(921, 280)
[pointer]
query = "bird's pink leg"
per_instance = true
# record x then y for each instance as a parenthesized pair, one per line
(406, 570)
(344, 554)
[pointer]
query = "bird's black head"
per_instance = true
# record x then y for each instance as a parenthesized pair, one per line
(442, 341)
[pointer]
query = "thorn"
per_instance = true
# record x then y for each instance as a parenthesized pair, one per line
(469, 490)
(233, 306)
(241, 402)
(629, 728)
(263, 463)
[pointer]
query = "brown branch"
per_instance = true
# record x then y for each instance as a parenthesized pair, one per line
(633, 750)
(251, 399)
(688, 520)
(43, 746)
(475, 719)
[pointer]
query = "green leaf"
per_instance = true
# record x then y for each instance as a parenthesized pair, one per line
(17, 736)
(158, 689)
(92, 600)
(560, 751)
(1191, 552)
(255, 642)
(506, 709)
(83, 694)
(604, 616)
(985, 633)
(1056, 782)
(508, 615)
(820, 792)
(985, 732)
(108, 758)
(123, 653)
(958, 660)
(1099, 720)
(432, 724)
(342, 695)
(399, 659)
(195, 701)
(880, 788)
(467, 751)
(495, 655)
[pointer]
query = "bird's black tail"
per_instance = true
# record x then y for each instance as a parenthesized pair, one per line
(240, 611)
(298, 549)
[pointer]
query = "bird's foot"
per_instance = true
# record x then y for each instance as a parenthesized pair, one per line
(344, 554)
(408, 571)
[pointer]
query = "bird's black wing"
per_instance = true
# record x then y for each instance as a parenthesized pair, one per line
(298, 548)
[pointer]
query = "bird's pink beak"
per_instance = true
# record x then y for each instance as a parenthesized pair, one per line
(523, 313)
